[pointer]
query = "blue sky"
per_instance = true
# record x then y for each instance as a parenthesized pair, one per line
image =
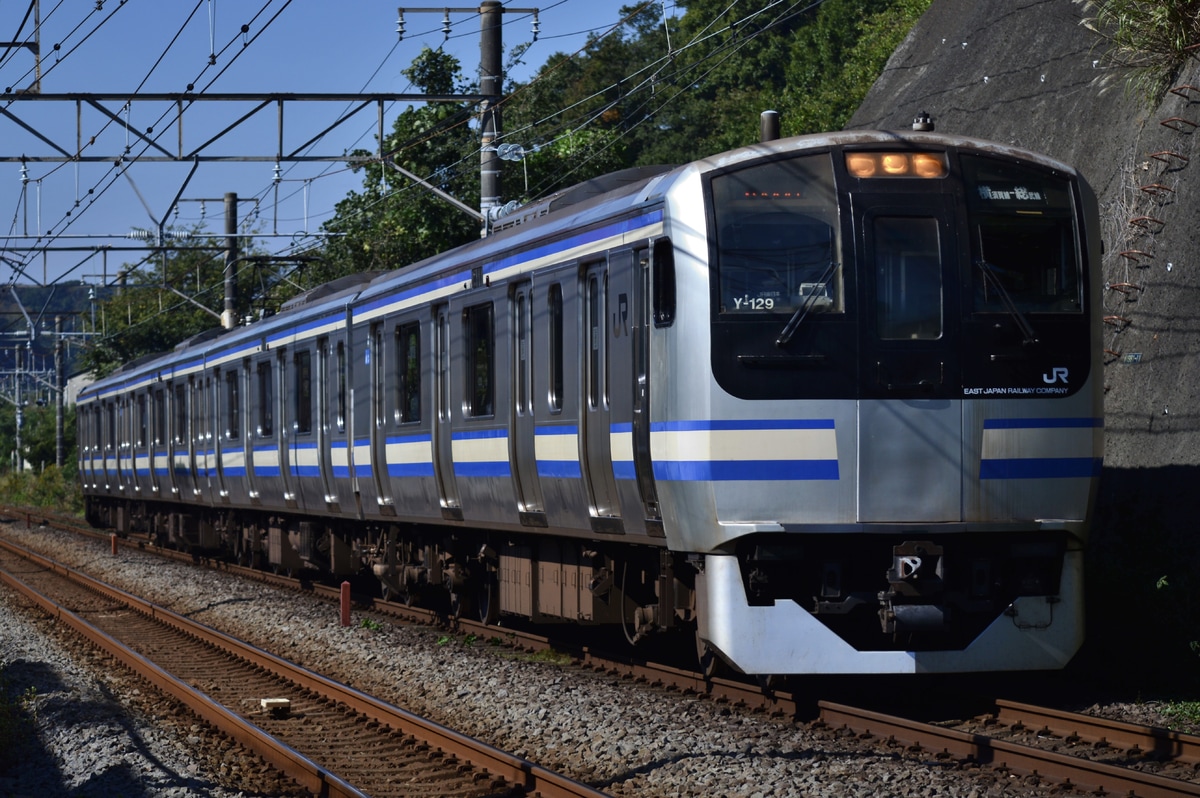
(152, 46)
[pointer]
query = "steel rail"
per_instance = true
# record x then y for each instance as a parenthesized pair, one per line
(748, 695)
(521, 772)
(1080, 773)
(307, 773)
(1149, 741)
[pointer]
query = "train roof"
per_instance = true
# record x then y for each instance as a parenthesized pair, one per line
(555, 217)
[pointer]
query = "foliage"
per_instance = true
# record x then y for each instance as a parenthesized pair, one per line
(393, 221)
(1153, 39)
(652, 90)
(834, 61)
(51, 487)
(38, 436)
(1184, 714)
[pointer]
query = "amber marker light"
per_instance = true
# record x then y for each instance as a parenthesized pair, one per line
(861, 164)
(927, 164)
(896, 164)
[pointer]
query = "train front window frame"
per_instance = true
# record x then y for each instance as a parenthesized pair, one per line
(776, 237)
(1014, 210)
(908, 268)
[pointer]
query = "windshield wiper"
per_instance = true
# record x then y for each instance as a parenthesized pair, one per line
(794, 322)
(989, 277)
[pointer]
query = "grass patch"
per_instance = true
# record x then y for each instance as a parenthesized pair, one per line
(1153, 39)
(1184, 713)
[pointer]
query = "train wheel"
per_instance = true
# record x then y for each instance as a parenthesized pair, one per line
(487, 599)
(385, 592)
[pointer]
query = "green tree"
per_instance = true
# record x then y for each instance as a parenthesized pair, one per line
(393, 222)
(39, 443)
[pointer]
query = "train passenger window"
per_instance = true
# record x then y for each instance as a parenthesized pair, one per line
(375, 358)
(481, 367)
(775, 238)
(340, 400)
(180, 415)
(595, 328)
(160, 417)
(200, 408)
(140, 438)
(302, 393)
(520, 313)
(408, 373)
(111, 427)
(555, 341)
(232, 407)
(1022, 239)
(908, 300)
(663, 281)
(266, 400)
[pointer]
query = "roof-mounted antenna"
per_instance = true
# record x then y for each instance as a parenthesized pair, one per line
(923, 122)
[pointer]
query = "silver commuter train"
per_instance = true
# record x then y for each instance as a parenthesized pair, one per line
(833, 403)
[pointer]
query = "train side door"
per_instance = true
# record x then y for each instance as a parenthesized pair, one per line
(910, 413)
(597, 417)
(443, 452)
(177, 436)
(158, 439)
(223, 443)
(628, 385)
(642, 463)
(286, 437)
(326, 429)
(523, 458)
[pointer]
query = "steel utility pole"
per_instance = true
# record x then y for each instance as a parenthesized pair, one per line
(229, 315)
(491, 86)
(491, 91)
(59, 390)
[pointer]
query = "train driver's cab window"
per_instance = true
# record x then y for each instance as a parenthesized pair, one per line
(776, 239)
(908, 269)
(1023, 256)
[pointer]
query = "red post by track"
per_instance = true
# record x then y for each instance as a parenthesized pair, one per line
(345, 603)
(113, 538)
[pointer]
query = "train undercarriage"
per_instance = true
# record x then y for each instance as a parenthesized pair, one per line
(888, 593)
(477, 574)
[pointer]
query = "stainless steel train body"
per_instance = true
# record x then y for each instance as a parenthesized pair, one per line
(833, 402)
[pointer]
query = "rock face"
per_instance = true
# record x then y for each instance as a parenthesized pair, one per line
(1032, 75)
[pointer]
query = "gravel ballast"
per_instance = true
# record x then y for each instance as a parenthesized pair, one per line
(624, 738)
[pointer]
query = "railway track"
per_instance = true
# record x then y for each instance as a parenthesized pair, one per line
(330, 739)
(1077, 751)
(1080, 751)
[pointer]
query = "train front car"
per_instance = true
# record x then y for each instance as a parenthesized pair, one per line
(878, 418)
